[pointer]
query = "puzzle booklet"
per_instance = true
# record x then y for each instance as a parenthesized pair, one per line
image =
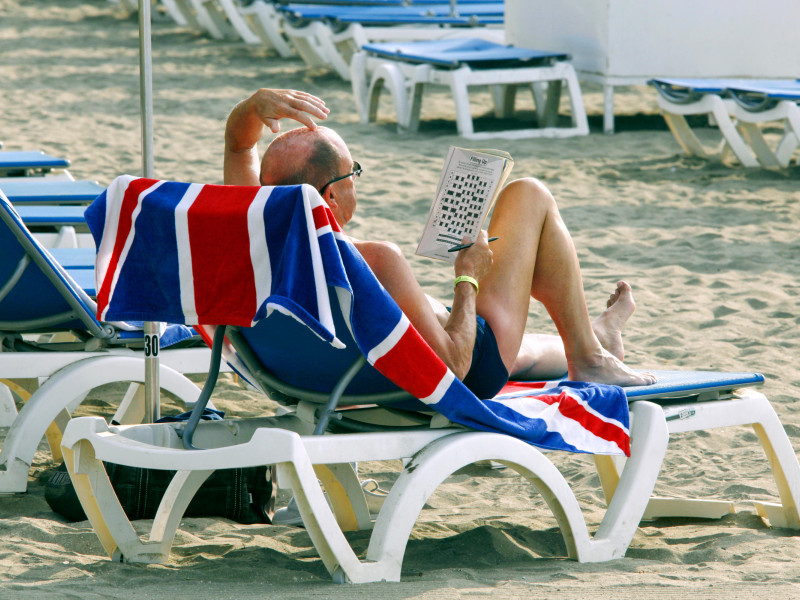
(469, 184)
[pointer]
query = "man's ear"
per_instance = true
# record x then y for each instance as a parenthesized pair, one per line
(330, 197)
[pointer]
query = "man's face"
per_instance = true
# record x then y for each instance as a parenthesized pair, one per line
(343, 198)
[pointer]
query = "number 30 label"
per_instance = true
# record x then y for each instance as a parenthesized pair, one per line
(151, 344)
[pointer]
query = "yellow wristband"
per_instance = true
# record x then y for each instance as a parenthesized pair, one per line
(469, 279)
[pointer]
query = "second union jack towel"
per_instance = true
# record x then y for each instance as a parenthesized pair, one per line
(213, 255)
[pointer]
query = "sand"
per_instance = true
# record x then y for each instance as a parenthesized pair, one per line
(711, 250)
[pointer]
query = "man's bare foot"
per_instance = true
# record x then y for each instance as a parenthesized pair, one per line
(605, 368)
(608, 326)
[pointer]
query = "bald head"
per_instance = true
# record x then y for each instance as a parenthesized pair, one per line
(303, 155)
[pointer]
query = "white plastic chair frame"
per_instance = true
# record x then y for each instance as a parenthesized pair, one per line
(267, 23)
(719, 109)
(303, 460)
(429, 456)
(749, 116)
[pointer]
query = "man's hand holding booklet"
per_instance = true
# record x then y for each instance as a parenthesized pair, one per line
(469, 184)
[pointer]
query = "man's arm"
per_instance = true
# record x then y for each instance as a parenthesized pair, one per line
(454, 341)
(246, 124)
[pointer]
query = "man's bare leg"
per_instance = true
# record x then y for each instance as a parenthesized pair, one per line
(534, 256)
(541, 356)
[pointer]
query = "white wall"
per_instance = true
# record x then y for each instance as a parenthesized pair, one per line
(639, 39)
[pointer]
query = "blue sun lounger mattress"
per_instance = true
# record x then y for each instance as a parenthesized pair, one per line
(53, 216)
(454, 53)
(685, 90)
(19, 162)
(385, 14)
(40, 190)
(680, 386)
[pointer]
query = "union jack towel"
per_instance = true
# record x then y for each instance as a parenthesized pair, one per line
(212, 255)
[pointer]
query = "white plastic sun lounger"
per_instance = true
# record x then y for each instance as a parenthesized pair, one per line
(429, 456)
(406, 69)
(327, 36)
(431, 448)
(738, 121)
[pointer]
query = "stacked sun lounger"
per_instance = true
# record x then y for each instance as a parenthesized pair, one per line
(738, 107)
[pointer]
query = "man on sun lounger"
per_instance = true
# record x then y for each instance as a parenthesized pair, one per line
(482, 338)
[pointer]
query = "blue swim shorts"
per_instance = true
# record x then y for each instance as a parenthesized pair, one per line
(488, 374)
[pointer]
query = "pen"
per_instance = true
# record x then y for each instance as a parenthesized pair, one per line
(462, 246)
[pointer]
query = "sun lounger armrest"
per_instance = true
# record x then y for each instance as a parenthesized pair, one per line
(752, 100)
(675, 93)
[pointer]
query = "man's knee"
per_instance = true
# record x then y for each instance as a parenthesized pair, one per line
(528, 190)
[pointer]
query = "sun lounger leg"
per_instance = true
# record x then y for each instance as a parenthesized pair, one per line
(265, 21)
(458, 86)
(8, 408)
(174, 503)
(752, 133)
(578, 110)
(238, 22)
(345, 495)
(551, 107)
(751, 409)
(445, 456)
(649, 438)
(710, 104)
(504, 98)
(329, 541)
(99, 501)
(608, 109)
(787, 147)
(210, 20)
(358, 81)
(785, 470)
(415, 106)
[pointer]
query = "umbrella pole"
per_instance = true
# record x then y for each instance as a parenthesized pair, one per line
(151, 342)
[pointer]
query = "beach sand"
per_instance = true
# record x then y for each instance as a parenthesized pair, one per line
(710, 249)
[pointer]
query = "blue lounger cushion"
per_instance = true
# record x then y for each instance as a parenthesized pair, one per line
(34, 190)
(75, 258)
(393, 3)
(702, 385)
(52, 216)
(685, 90)
(30, 159)
(386, 14)
(472, 20)
(474, 52)
(758, 96)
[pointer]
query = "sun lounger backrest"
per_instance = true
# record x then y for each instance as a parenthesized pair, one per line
(36, 293)
(295, 355)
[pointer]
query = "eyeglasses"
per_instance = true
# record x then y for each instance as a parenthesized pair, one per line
(356, 172)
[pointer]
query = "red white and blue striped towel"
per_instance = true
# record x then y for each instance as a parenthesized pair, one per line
(212, 255)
